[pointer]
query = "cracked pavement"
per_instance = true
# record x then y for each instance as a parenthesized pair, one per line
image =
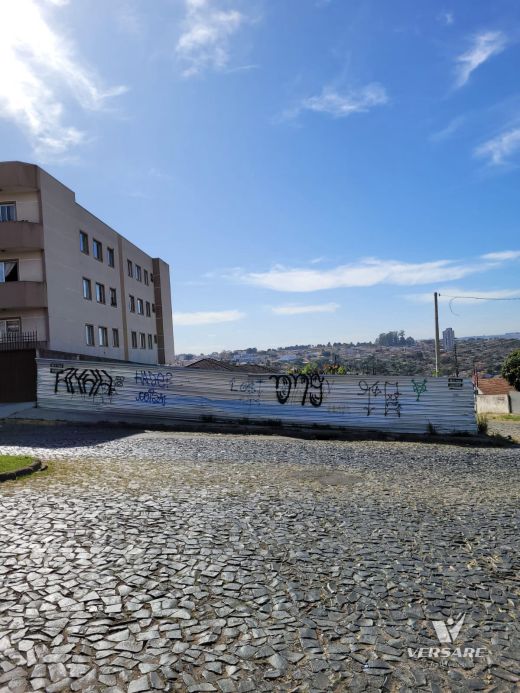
(145, 561)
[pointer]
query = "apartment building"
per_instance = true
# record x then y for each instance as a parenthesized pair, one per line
(73, 280)
(448, 339)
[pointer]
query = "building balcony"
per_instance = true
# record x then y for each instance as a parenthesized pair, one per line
(15, 295)
(17, 176)
(20, 235)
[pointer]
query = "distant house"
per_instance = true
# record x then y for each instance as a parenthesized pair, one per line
(208, 364)
(497, 396)
(287, 358)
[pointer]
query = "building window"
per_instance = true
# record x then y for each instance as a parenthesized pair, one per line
(87, 289)
(100, 293)
(138, 273)
(130, 267)
(97, 250)
(151, 278)
(110, 257)
(89, 335)
(140, 309)
(8, 211)
(102, 336)
(10, 327)
(148, 313)
(150, 341)
(134, 340)
(142, 337)
(146, 279)
(131, 304)
(115, 337)
(8, 271)
(83, 242)
(113, 297)
(155, 339)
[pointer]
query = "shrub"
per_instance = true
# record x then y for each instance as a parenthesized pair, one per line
(511, 369)
(482, 423)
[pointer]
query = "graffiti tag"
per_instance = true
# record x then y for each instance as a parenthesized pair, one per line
(89, 382)
(312, 386)
(419, 388)
(151, 397)
(392, 394)
(153, 378)
(248, 389)
(369, 391)
(372, 391)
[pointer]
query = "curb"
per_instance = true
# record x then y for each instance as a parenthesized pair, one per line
(24, 471)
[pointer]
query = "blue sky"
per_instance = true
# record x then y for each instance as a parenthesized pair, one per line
(312, 170)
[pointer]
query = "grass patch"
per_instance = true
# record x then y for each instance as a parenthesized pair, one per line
(504, 417)
(482, 423)
(10, 463)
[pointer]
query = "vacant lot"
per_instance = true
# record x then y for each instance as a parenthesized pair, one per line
(168, 561)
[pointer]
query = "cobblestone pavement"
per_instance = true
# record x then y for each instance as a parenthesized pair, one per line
(189, 562)
(507, 429)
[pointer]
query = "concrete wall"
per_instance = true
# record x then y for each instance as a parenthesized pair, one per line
(493, 404)
(30, 266)
(514, 398)
(27, 204)
(164, 320)
(65, 268)
(141, 324)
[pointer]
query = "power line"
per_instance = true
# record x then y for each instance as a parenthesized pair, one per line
(479, 298)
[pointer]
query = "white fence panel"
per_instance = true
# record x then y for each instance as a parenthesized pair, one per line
(387, 403)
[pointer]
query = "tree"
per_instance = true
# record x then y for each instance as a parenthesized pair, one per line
(511, 369)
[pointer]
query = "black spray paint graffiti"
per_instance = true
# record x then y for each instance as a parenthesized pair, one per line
(419, 388)
(249, 389)
(372, 391)
(89, 381)
(369, 391)
(392, 394)
(312, 387)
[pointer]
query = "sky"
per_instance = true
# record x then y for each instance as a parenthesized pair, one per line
(311, 170)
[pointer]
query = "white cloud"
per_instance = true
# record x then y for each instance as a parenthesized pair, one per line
(337, 105)
(446, 18)
(366, 272)
(38, 68)
(450, 129)
(463, 295)
(204, 42)
(483, 47)
(502, 255)
(498, 149)
(207, 317)
(300, 310)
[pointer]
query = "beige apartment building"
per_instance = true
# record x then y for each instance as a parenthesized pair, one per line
(70, 278)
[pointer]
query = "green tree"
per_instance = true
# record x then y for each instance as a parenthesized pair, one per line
(511, 369)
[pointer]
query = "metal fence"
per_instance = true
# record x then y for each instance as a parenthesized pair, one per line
(175, 395)
(15, 341)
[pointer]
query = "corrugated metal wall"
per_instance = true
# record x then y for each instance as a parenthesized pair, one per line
(386, 403)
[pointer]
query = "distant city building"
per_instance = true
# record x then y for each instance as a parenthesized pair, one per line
(448, 339)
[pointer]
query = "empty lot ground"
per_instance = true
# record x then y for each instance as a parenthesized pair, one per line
(190, 562)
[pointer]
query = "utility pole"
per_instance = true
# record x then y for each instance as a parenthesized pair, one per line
(437, 343)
